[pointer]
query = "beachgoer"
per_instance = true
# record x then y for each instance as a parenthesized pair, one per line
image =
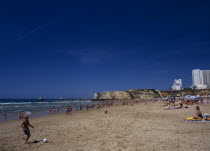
(20, 116)
(67, 110)
(70, 109)
(198, 113)
(179, 106)
(105, 112)
(5, 115)
(26, 129)
(87, 107)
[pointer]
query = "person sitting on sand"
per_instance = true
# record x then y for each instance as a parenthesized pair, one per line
(198, 113)
(179, 106)
(105, 112)
(25, 128)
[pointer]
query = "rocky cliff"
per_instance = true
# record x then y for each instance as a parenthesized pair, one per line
(127, 95)
(145, 94)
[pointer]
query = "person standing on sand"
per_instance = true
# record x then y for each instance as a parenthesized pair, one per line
(25, 128)
(80, 108)
(70, 109)
(87, 107)
(5, 115)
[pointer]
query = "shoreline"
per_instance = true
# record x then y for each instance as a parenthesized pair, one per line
(138, 127)
(38, 108)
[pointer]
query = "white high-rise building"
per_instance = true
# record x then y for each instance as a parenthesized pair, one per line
(206, 78)
(201, 79)
(177, 85)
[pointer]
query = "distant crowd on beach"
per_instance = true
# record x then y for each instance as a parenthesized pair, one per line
(53, 110)
(170, 103)
(184, 102)
(102, 105)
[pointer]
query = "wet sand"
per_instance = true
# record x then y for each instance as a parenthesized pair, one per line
(125, 128)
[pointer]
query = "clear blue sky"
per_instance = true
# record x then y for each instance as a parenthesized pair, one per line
(75, 48)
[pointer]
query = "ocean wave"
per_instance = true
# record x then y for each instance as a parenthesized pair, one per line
(42, 102)
(15, 103)
(75, 101)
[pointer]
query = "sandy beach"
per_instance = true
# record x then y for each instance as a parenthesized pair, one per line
(125, 128)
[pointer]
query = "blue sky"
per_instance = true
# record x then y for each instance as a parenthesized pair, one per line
(75, 48)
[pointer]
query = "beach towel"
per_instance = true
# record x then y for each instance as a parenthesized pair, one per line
(191, 119)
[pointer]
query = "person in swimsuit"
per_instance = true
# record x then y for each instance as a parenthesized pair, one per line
(87, 107)
(19, 116)
(70, 109)
(80, 108)
(5, 115)
(67, 110)
(25, 126)
(198, 113)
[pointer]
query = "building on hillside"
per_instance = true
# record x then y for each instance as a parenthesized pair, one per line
(177, 85)
(201, 79)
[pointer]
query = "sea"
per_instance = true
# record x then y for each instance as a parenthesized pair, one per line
(38, 107)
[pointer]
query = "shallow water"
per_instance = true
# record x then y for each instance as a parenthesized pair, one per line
(37, 107)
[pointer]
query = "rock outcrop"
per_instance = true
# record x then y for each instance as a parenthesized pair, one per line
(126, 95)
(145, 94)
(113, 95)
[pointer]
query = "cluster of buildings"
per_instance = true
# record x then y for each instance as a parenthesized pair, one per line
(200, 80)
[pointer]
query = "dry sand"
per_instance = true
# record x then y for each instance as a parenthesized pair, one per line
(125, 128)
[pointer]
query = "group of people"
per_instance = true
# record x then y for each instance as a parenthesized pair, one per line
(171, 104)
(68, 110)
(26, 124)
(53, 110)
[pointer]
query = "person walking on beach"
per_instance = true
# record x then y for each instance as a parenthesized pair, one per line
(5, 114)
(25, 126)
